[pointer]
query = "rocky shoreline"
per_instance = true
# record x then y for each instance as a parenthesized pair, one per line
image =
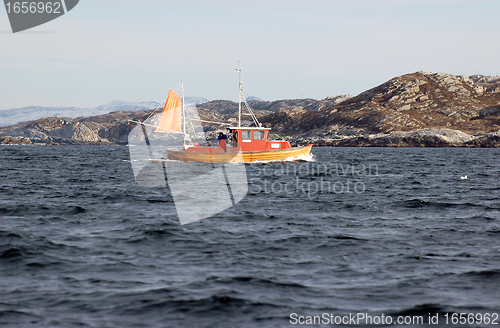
(414, 110)
(419, 138)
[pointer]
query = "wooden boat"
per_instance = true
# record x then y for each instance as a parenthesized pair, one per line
(251, 156)
(249, 145)
(244, 144)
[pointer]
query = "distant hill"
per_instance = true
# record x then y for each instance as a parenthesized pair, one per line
(418, 110)
(263, 107)
(16, 115)
(411, 102)
(195, 100)
(254, 98)
(113, 128)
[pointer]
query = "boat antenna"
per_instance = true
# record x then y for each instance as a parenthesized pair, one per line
(241, 97)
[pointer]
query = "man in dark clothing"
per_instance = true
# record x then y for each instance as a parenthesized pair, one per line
(222, 140)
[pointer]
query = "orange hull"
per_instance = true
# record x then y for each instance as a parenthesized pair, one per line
(246, 157)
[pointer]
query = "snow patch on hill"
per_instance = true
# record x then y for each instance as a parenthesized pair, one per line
(17, 115)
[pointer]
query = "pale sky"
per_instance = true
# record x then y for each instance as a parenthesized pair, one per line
(105, 50)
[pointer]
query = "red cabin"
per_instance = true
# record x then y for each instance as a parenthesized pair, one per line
(246, 139)
(255, 139)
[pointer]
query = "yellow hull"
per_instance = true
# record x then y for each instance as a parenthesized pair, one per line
(246, 157)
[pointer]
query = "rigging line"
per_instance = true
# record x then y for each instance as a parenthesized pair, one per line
(221, 60)
(159, 106)
(235, 89)
(172, 135)
(154, 126)
(177, 87)
(196, 119)
(192, 126)
(155, 109)
(163, 102)
(252, 114)
(247, 106)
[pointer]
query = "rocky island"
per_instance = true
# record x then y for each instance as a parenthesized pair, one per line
(414, 110)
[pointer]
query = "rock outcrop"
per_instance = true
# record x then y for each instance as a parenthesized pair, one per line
(108, 129)
(417, 110)
(417, 138)
(424, 102)
(410, 102)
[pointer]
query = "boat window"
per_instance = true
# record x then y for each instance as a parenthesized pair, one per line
(246, 135)
(258, 135)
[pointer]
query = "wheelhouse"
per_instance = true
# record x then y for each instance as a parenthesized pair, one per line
(255, 139)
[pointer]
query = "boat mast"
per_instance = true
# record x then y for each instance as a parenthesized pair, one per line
(240, 85)
(241, 95)
(183, 116)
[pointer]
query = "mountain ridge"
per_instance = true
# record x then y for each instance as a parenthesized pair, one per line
(418, 109)
(30, 113)
(410, 102)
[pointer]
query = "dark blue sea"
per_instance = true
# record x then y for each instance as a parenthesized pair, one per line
(364, 233)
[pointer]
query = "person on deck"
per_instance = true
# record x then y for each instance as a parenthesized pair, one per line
(222, 140)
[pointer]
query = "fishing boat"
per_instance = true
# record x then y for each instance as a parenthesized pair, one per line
(170, 147)
(241, 144)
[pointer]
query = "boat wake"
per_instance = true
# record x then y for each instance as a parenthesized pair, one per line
(304, 158)
(156, 160)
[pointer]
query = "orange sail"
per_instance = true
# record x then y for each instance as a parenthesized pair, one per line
(170, 120)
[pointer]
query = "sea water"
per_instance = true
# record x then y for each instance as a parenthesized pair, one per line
(365, 233)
